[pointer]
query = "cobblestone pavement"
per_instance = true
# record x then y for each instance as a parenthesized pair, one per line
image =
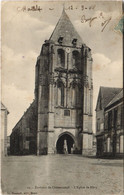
(61, 174)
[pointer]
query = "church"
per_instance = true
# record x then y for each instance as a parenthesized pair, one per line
(60, 118)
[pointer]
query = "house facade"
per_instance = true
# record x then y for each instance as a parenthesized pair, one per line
(62, 110)
(3, 133)
(109, 125)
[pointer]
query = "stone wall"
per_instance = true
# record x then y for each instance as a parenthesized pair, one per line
(42, 98)
(23, 136)
(71, 121)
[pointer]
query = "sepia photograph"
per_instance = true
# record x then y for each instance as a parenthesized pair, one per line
(62, 112)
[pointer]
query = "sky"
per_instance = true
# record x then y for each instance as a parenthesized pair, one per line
(24, 32)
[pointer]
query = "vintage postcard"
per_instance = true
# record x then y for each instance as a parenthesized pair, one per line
(62, 97)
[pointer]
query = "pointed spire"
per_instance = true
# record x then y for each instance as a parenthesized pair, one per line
(65, 29)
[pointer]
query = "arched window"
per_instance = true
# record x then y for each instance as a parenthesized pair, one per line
(75, 95)
(61, 58)
(76, 59)
(73, 100)
(78, 97)
(60, 94)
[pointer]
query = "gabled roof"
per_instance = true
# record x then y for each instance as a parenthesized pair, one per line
(4, 108)
(32, 105)
(65, 29)
(116, 98)
(106, 94)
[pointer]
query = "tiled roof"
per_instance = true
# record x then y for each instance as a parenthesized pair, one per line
(116, 98)
(65, 29)
(107, 94)
(26, 112)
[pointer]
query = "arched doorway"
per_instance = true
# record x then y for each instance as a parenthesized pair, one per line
(65, 144)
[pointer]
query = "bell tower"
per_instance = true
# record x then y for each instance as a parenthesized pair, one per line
(63, 91)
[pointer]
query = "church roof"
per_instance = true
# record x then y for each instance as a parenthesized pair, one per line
(116, 98)
(106, 94)
(65, 29)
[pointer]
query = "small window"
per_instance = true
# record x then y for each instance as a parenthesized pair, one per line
(98, 124)
(66, 112)
(60, 40)
(74, 42)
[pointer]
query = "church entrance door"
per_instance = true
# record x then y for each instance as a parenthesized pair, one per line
(65, 144)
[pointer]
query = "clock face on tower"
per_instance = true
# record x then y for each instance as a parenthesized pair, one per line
(67, 50)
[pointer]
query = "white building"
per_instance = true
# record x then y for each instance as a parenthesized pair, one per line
(3, 132)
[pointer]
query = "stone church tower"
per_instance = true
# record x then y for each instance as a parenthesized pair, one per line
(64, 92)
